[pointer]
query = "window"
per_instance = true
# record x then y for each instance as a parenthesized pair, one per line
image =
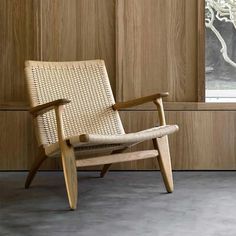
(220, 63)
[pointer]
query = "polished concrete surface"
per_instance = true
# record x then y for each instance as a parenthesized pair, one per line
(121, 204)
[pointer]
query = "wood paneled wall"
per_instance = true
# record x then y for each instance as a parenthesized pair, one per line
(19, 34)
(156, 48)
(148, 46)
(205, 141)
(52, 30)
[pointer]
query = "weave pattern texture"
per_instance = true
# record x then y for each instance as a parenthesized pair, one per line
(86, 84)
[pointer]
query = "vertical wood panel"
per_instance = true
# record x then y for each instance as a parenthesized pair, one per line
(20, 36)
(96, 33)
(79, 30)
(157, 48)
(58, 30)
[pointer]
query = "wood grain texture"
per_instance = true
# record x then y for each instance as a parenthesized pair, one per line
(164, 161)
(138, 101)
(18, 148)
(156, 48)
(79, 30)
(68, 161)
(58, 29)
(148, 45)
(35, 167)
(186, 106)
(168, 106)
(106, 167)
(20, 35)
(205, 141)
(96, 36)
(116, 158)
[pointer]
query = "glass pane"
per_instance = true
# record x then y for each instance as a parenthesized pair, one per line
(220, 21)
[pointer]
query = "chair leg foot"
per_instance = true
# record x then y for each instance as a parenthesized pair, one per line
(40, 159)
(162, 145)
(70, 175)
(105, 170)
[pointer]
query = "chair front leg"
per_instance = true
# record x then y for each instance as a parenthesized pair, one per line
(162, 145)
(68, 161)
(70, 174)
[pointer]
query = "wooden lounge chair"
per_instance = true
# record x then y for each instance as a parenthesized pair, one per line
(75, 113)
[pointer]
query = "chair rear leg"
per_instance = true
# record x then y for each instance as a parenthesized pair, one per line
(104, 170)
(106, 167)
(37, 163)
(162, 145)
(70, 175)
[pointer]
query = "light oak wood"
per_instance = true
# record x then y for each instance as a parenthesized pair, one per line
(67, 152)
(162, 145)
(168, 106)
(213, 131)
(20, 40)
(96, 36)
(56, 30)
(41, 109)
(13, 106)
(106, 167)
(18, 146)
(138, 101)
(68, 161)
(40, 30)
(160, 109)
(36, 165)
(79, 30)
(156, 41)
(115, 158)
(186, 106)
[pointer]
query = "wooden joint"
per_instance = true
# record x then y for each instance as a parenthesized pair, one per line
(68, 143)
(139, 101)
(41, 109)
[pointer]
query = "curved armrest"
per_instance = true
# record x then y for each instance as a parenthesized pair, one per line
(41, 109)
(139, 101)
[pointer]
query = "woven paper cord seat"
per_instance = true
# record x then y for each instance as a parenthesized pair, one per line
(96, 141)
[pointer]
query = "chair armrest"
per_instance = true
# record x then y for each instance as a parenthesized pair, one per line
(41, 109)
(139, 101)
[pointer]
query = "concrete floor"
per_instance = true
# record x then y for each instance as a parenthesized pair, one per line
(123, 203)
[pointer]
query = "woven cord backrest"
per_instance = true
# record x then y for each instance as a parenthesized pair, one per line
(86, 84)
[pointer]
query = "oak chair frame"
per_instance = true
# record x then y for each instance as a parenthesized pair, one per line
(68, 157)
